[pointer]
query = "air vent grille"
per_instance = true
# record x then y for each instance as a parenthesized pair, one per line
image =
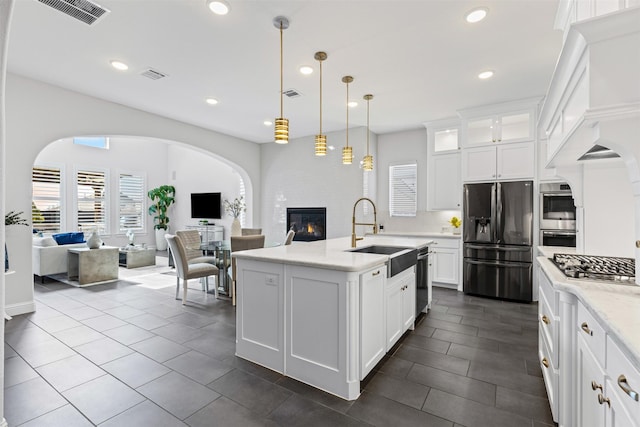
(82, 10)
(153, 74)
(292, 93)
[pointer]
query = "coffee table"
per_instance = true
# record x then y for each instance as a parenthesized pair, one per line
(137, 257)
(92, 266)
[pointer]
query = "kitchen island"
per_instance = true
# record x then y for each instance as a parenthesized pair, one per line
(320, 313)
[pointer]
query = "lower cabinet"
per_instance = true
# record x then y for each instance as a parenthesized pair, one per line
(444, 262)
(590, 387)
(372, 319)
(400, 297)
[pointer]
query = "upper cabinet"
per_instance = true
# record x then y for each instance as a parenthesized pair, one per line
(443, 136)
(502, 162)
(511, 127)
(444, 188)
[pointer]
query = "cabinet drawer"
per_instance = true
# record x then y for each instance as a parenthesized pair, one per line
(446, 243)
(624, 377)
(546, 289)
(592, 333)
(550, 375)
(548, 328)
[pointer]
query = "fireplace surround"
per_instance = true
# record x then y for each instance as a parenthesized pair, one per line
(310, 224)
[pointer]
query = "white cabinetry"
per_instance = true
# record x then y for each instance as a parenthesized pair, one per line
(500, 162)
(508, 127)
(590, 386)
(444, 188)
(400, 296)
(444, 263)
(372, 319)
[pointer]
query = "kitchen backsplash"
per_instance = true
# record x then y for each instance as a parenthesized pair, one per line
(424, 221)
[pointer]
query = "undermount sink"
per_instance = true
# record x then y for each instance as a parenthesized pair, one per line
(400, 258)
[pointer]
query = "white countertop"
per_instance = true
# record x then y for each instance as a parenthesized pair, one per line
(421, 234)
(332, 253)
(616, 306)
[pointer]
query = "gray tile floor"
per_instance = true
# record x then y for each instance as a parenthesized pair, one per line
(128, 354)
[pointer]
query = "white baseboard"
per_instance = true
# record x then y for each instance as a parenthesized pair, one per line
(20, 308)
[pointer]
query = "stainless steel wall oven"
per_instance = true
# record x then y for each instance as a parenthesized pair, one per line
(557, 215)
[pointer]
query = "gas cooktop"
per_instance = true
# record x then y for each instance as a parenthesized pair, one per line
(594, 267)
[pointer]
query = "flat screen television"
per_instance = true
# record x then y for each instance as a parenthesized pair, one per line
(206, 205)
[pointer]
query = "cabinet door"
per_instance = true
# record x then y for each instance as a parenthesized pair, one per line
(515, 161)
(372, 326)
(408, 302)
(394, 314)
(479, 164)
(616, 414)
(515, 127)
(445, 140)
(590, 378)
(480, 131)
(445, 265)
(444, 189)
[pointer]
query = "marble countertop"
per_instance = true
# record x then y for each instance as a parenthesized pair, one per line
(421, 234)
(548, 251)
(615, 306)
(333, 253)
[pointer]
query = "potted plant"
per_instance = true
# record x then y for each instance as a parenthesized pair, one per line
(12, 218)
(456, 222)
(162, 197)
(234, 209)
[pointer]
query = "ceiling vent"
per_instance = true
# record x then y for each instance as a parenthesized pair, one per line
(152, 74)
(292, 93)
(82, 10)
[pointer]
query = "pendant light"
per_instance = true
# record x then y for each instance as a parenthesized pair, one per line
(281, 124)
(367, 162)
(347, 152)
(321, 140)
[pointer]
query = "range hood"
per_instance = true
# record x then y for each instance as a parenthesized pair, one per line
(599, 152)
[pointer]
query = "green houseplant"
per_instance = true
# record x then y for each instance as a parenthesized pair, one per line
(162, 197)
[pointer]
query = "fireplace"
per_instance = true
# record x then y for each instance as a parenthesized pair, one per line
(309, 223)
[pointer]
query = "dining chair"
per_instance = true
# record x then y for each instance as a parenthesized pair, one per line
(289, 238)
(242, 243)
(251, 231)
(191, 240)
(186, 271)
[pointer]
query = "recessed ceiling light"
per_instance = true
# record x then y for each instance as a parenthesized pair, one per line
(119, 65)
(306, 70)
(352, 104)
(476, 15)
(219, 7)
(211, 101)
(267, 122)
(485, 75)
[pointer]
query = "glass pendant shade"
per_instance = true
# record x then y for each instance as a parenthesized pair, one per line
(282, 131)
(347, 155)
(321, 145)
(367, 163)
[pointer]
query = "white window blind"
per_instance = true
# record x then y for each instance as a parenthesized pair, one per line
(403, 194)
(46, 199)
(91, 201)
(243, 194)
(131, 199)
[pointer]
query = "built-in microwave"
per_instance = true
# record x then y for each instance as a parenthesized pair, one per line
(557, 210)
(565, 238)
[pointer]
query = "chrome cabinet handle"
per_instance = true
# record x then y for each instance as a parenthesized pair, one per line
(545, 362)
(545, 319)
(585, 327)
(596, 386)
(602, 400)
(376, 273)
(624, 385)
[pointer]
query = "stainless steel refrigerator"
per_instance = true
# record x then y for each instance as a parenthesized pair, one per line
(498, 234)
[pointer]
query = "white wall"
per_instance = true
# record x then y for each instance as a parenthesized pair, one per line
(192, 172)
(609, 209)
(38, 114)
(293, 176)
(401, 147)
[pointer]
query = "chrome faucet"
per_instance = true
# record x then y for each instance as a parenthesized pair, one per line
(354, 238)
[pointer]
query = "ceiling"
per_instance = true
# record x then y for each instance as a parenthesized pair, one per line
(420, 59)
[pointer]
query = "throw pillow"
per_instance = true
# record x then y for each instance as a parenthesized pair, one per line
(69, 238)
(44, 241)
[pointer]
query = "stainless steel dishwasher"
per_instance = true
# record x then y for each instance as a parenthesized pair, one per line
(422, 279)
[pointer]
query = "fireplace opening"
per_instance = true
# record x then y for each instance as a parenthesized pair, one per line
(309, 223)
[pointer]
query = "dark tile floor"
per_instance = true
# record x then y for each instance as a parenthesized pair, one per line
(128, 354)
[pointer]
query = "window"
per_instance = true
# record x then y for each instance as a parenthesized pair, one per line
(93, 141)
(243, 194)
(91, 201)
(403, 194)
(46, 199)
(131, 202)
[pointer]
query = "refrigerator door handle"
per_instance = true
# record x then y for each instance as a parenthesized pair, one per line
(498, 228)
(497, 248)
(494, 222)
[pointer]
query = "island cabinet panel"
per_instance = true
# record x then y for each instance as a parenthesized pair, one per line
(322, 328)
(260, 313)
(372, 319)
